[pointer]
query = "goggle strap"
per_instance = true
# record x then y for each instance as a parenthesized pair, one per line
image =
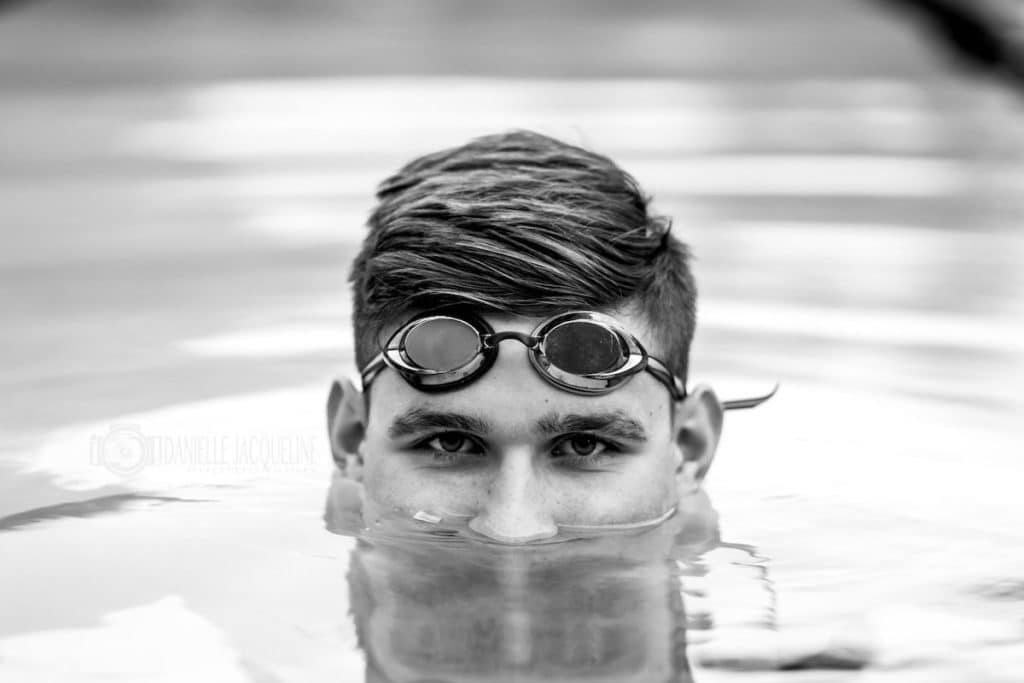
(372, 369)
(664, 375)
(678, 391)
(739, 403)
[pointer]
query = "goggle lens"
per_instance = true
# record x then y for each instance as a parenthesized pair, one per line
(581, 347)
(442, 344)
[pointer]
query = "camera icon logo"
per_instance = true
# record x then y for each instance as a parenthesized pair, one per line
(124, 450)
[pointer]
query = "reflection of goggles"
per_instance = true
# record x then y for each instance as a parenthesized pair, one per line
(581, 351)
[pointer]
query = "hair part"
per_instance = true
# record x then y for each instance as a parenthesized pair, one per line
(520, 224)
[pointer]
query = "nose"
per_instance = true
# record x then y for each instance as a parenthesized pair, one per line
(515, 510)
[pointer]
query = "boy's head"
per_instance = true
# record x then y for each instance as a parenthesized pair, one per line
(521, 224)
(512, 230)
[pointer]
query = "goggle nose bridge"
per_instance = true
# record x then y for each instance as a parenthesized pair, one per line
(491, 341)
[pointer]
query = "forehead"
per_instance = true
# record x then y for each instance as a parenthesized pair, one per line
(513, 396)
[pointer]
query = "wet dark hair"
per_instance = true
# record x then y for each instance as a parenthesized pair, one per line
(520, 224)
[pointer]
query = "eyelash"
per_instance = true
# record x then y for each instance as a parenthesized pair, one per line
(441, 456)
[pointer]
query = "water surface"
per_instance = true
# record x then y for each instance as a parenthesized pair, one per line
(176, 282)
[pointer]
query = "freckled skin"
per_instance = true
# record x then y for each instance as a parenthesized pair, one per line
(516, 488)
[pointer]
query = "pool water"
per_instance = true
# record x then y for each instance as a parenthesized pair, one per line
(168, 507)
(818, 555)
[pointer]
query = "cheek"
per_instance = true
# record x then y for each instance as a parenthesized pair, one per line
(640, 492)
(385, 480)
(648, 491)
(392, 481)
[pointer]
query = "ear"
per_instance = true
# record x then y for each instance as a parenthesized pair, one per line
(697, 427)
(346, 427)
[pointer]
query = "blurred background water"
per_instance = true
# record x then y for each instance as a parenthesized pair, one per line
(183, 185)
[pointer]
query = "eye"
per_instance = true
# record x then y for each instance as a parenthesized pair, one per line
(582, 446)
(451, 448)
(451, 442)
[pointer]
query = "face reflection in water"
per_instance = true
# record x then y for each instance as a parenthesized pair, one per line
(430, 604)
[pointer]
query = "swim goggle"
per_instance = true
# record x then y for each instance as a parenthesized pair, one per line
(582, 352)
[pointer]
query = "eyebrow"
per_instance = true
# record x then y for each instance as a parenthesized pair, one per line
(614, 424)
(418, 420)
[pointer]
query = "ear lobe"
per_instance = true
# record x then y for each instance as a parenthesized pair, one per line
(698, 427)
(346, 427)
